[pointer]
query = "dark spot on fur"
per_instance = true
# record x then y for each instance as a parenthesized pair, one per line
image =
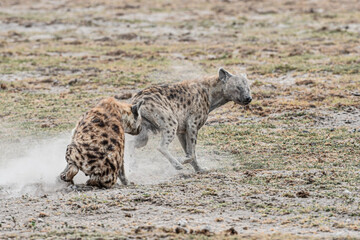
(189, 102)
(92, 168)
(89, 155)
(111, 164)
(148, 98)
(95, 120)
(91, 162)
(113, 140)
(104, 142)
(110, 148)
(101, 124)
(86, 145)
(104, 135)
(115, 128)
(184, 106)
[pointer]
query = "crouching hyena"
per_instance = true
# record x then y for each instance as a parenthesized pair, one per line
(97, 145)
(182, 109)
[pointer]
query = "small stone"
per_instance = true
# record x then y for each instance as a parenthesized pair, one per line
(219, 219)
(179, 230)
(303, 194)
(42, 215)
(102, 39)
(123, 96)
(40, 220)
(347, 192)
(72, 82)
(231, 231)
(182, 223)
(45, 125)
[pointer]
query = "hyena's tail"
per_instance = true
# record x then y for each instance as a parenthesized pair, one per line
(143, 137)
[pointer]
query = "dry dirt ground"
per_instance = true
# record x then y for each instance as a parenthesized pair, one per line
(286, 167)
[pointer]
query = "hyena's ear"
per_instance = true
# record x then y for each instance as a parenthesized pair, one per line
(223, 74)
(135, 109)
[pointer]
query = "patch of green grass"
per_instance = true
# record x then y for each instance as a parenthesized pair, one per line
(283, 148)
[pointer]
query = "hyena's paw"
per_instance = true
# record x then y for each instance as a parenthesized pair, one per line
(178, 166)
(60, 180)
(93, 183)
(186, 160)
(202, 170)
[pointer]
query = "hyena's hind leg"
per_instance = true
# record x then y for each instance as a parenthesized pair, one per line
(122, 176)
(106, 181)
(69, 173)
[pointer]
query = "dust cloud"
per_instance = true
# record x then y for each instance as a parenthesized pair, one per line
(32, 166)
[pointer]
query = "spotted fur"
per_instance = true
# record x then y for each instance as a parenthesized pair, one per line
(182, 109)
(97, 145)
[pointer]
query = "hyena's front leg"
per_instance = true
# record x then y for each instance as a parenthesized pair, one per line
(188, 158)
(69, 173)
(190, 142)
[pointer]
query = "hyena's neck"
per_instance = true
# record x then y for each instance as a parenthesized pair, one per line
(216, 93)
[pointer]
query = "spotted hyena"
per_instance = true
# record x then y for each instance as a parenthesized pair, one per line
(182, 109)
(97, 145)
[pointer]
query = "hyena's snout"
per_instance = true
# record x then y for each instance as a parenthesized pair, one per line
(63, 176)
(69, 172)
(247, 100)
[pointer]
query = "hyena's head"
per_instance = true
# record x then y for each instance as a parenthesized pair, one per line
(132, 120)
(236, 88)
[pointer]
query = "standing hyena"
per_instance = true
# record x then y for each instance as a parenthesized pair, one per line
(97, 145)
(182, 109)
